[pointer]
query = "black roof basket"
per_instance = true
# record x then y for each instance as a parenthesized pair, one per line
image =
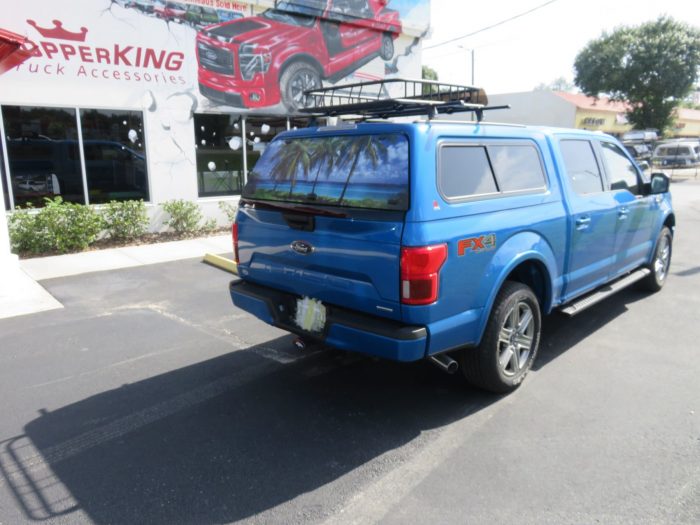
(397, 97)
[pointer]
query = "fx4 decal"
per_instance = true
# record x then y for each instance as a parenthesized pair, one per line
(477, 244)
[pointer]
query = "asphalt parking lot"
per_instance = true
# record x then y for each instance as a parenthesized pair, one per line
(150, 399)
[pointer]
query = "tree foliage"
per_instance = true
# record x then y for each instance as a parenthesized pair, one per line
(652, 66)
(558, 84)
(428, 73)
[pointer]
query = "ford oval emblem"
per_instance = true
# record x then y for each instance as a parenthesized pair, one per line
(302, 247)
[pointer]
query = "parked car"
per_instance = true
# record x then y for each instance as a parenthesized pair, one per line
(640, 152)
(200, 17)
(145, 6)
(677, 154)
(171, 11)
(275, 57)
(444, 240)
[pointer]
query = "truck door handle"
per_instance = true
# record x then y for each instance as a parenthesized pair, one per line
(582, 223)
(622, 213)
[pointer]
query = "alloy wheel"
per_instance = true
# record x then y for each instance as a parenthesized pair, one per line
(515, 339)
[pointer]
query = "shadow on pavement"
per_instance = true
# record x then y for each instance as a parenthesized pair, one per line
(225, 439)
(560, 332)
(231, 437)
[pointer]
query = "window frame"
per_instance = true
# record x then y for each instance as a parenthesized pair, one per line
(606, 168)
(76, 109)
(146, 152)
(597, 156)
(499, 193)
(243, 133)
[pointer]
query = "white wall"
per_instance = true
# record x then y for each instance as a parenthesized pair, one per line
(537, 108)
(167, 105)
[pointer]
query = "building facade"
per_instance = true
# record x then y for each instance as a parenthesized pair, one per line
(575, 110)
(156, 100)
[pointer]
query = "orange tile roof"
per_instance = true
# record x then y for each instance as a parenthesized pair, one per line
(585, 102)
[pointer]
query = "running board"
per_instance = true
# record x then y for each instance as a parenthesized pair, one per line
(603, 293)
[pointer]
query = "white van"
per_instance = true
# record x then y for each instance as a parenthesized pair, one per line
(682, 153)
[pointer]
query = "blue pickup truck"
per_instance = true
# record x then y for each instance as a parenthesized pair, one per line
(444, 240)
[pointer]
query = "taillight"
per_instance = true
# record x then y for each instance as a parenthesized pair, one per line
(234, 232)
(420, 267)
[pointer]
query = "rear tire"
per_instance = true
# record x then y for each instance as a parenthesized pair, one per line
(510, 342)
(660, 263)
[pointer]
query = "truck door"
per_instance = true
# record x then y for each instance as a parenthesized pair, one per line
(635, 219)
(593, 220)
(351, 13)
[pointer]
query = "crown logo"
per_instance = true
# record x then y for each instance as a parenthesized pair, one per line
(58, 33)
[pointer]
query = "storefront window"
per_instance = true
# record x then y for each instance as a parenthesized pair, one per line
(42, 147)
(299, 122)
(259, 132)
(219, 146)
(115, 155)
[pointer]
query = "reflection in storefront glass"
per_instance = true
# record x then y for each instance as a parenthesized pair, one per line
(260, 131)
(115, 155)
(219, 154)
(42, 147)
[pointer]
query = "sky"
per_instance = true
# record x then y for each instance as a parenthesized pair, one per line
(536, 48)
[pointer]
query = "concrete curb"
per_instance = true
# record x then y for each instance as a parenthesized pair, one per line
(126, 257)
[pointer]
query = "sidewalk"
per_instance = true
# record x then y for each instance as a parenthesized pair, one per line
(21, 295)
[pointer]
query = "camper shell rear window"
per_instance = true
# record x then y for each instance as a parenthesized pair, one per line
(357, 171)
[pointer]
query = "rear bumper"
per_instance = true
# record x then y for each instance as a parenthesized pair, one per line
(345, 329)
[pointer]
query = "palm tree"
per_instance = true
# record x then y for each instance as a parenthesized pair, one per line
(367, 144)
(325, 152)
(293, 154)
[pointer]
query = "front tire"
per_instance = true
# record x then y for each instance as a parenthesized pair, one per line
(510, 342)
(660, 263)
(386, 52)
(297, 78)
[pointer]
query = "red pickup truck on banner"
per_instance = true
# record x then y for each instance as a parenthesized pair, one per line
(264, 60)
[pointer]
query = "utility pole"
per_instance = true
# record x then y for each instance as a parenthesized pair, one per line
(471, 50)
(473, 67)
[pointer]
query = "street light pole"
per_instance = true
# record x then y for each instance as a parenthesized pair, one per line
(472, 59)
(473, 67)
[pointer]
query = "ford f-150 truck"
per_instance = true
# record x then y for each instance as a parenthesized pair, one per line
(444, 240)
(259, 61)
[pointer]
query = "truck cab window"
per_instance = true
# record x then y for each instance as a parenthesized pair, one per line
(581, 166)
(622, 174)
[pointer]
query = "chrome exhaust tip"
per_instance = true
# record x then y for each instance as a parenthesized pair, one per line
(445, 363)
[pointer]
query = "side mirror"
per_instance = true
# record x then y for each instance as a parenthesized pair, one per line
(659, 183)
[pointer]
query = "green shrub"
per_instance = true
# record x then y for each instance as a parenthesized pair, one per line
(185, 216)
(209, 225)
(58, 226)
(24, 234)
(125, 220)
(229, 209)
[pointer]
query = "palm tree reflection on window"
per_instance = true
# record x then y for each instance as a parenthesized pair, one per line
(380, 162)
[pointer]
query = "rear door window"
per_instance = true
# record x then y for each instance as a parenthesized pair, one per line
(581, 166)
(358, 171)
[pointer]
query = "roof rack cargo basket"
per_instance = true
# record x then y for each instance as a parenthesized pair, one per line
(397, 97)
